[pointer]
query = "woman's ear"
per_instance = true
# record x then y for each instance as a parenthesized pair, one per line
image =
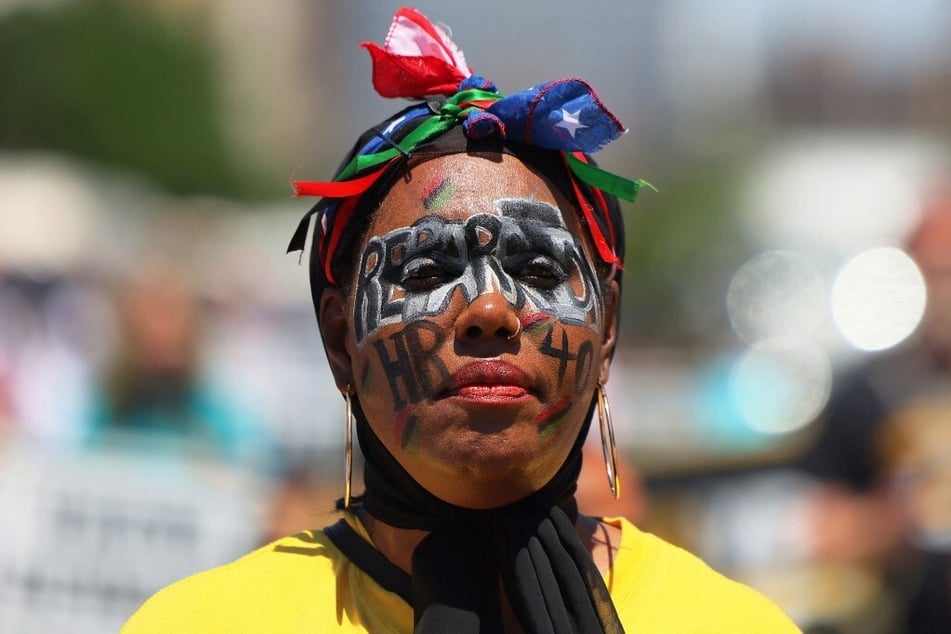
(334, 328)
(612, 295)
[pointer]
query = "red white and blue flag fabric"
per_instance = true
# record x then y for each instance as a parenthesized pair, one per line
(419, 60)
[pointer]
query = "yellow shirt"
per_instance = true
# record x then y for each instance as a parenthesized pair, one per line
(304, 584)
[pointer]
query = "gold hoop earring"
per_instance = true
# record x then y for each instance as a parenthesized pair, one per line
(607, 442)
(348, 449)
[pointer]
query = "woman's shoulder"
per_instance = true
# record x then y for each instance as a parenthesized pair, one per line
(284, 580)
(659, 587)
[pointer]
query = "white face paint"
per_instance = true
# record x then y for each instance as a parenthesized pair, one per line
(525, 253)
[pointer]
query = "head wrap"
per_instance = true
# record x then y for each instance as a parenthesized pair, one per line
(547, 574)
(419, 61)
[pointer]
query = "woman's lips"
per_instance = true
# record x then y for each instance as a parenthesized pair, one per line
(487, 381)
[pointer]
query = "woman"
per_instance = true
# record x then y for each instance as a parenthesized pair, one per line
(465, 270)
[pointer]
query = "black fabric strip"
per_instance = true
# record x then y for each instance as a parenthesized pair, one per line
(370, 560)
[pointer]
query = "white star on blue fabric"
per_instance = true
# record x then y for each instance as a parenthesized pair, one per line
(569, 121)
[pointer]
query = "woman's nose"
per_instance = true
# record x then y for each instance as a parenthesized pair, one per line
(490, 316)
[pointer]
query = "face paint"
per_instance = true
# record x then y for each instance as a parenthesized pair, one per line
(534, 322)
(406, 432)
(433, 296)
(438, 194)
(584, 366)
(561, 351)
(550, 419)
(525, 253)
(410, 368)
(365, 376)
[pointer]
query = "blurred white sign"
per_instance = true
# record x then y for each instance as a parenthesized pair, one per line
(85, 537)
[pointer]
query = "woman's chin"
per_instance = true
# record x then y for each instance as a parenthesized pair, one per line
(487, 453)
(493, 472)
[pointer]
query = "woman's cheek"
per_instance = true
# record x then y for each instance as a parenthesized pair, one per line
(570, 351)
(404, 363)
(379, 397)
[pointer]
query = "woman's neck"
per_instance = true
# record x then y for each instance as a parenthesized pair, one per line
(397, 544)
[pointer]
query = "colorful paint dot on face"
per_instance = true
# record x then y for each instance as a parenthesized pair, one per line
(437, 194)
(549, 420)
(399, 424)
(409, 439)
(365, 377)
(534, 321)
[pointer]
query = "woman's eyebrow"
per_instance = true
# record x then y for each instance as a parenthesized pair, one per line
(528, 209)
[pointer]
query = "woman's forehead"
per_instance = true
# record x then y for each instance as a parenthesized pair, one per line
(459, 186)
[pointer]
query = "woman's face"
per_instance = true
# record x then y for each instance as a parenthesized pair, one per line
(476, 328)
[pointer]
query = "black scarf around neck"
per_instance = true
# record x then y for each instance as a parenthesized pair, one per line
(548, 576)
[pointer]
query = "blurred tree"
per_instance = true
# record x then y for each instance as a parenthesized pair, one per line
(107, 81)
(683, 244)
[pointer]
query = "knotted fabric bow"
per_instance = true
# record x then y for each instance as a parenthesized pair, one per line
(419, 61)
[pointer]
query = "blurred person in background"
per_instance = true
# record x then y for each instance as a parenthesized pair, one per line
(49, 324)
(301, 500)
(883, 454)
(9, 333)
(154, 389)
(596, 499)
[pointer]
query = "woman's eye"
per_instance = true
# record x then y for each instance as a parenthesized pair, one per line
(423, 274)
(541, 272)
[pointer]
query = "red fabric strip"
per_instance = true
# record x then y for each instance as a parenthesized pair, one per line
(350, 191)
(604, 249)
(330, 245)
(481, 104)
(337, 189)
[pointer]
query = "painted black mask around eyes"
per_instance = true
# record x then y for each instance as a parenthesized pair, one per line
(532, 260)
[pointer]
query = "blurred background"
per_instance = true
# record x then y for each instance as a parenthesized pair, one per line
(782, 397)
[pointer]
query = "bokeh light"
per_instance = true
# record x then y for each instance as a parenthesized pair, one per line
(839, 194)
(878, 298)
(776, 294)
(780, 386)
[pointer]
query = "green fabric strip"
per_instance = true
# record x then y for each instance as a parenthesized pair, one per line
(435, 125)
(451, 115)
(606, 181)
(475, 94)
(432, 127)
